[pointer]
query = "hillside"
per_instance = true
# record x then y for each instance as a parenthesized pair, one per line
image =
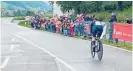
(25, 5)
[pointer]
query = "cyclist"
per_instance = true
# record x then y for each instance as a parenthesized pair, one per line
(96, 29)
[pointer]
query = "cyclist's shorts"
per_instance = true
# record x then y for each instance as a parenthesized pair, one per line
(97, 30)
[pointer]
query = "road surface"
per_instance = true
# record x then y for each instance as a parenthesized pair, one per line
(25, 49)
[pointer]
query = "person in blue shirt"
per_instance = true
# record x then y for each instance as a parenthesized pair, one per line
(88, 18)
(112, 20)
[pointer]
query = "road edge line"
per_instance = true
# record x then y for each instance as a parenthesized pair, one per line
(5, 62)
(118, 48)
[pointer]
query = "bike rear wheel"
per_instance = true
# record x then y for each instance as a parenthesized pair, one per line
(92, 51)
(100, 51)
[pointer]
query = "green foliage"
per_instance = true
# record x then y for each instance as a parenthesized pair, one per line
(19, 18)
(30, 13)
(66, 5)
(22, 23)
(18, 13)
(121, 15)
(80, 6)
(110, 7)
(73, 17)
(93, 6)
(120, 44)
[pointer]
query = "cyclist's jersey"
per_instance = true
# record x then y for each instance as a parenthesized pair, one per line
(98, 23)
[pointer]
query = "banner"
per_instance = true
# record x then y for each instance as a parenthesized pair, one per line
(87, 28)
(122, 32)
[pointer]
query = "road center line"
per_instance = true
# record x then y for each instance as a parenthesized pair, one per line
(58, 59)
(5, 62)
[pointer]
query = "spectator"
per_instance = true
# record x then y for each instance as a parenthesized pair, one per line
(86, 18)
(72, 28)
(81, 28)
(27, 20)
(32, 21)
(112, 20)
(76, 28)
(90, 18)
(65, 29)
(48, 25)
(68, 28)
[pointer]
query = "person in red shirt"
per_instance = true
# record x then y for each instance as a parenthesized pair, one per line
(72, 28)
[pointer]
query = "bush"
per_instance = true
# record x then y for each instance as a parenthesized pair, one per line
(121, 15)
(110, 7)
(102, 16)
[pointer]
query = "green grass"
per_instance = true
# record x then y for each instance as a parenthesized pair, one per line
(120, 44)
(22, 23)
(19, 18)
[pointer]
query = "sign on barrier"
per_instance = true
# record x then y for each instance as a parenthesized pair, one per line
(122, 32)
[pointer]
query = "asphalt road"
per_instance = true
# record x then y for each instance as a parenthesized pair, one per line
(25, 49)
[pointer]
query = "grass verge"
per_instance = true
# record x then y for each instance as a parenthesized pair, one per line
(120, 44)
(22, 23)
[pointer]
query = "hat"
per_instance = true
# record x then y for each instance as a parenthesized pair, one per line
(113, 14)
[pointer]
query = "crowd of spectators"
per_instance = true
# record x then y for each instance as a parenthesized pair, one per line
(64, 25)
(80, 26)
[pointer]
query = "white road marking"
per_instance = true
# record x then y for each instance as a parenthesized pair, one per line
(5, 62)
(58, 59)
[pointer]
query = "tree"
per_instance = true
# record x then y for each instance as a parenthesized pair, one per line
(30, 13)
(65, 5)
(120, 6)
(18, 13)
(93, 6)
(51, 3)
(80, 6)
(110, 6)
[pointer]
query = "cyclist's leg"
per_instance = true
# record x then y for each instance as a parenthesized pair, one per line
(94, 32)
(100, 30)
